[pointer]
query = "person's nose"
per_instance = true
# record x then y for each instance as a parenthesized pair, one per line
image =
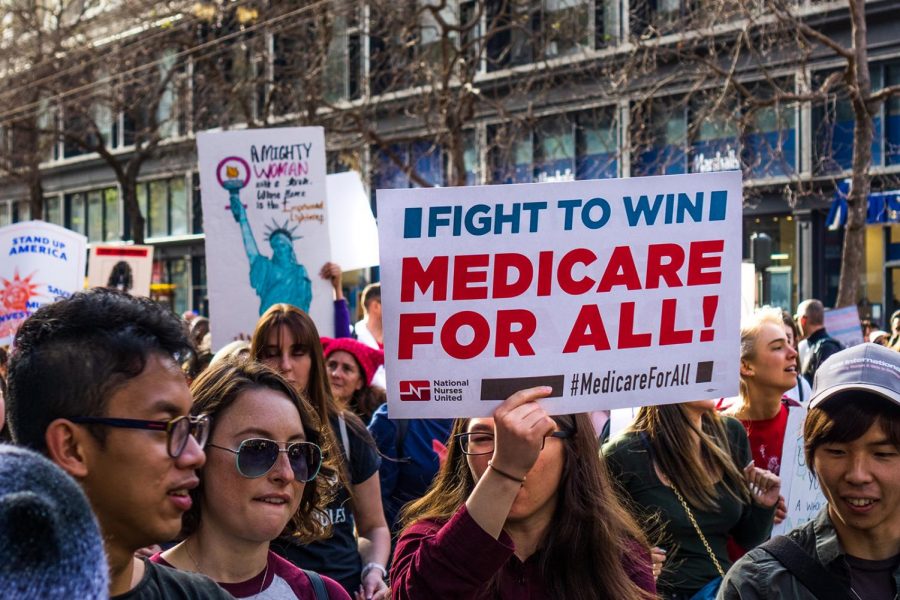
(284, 363)
(858, 471)
(281, 470)
(193, 456)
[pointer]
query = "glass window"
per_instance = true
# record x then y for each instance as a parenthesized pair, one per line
(833, 126)
(770, 144)
(606, 22)
(715, 146)
(113, 226)
(512, 154)
(5, 218)
(661, 133)
(95, 216)
(428, 162)
(53, 210)
(892, 117)
(21, 211)
(555, 150)
(387, 174)
(179, 206)
(77, 212)
(157, 209)
(596, 145)
(471, 159)
(566, 26)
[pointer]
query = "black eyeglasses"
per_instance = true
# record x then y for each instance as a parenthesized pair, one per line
(256, 457)
(178, 429)
(474, 443)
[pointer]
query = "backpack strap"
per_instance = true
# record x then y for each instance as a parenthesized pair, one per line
(317, 584)
(808, 571)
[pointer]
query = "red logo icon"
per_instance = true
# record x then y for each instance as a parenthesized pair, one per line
(415, 391)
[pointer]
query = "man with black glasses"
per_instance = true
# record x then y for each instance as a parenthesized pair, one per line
(94, 384)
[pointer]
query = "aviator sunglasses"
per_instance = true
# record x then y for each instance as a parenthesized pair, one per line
(256, 457)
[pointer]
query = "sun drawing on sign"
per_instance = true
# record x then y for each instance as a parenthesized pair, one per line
(15, 294)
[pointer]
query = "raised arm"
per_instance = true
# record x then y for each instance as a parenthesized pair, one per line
(240, 215)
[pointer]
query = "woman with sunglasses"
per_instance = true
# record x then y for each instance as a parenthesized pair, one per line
(521, 508)
(263, 477)
(355, 555)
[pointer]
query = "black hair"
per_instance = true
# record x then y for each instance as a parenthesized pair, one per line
(847, 416)
(71, 355)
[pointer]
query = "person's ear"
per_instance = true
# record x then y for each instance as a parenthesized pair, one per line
(746, 369)
(66, 447)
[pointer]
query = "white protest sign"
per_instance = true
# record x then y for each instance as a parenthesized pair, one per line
(748, 289)
(41, 264)
(125, 268)
(620, 419)
(354, 235)
(800, 488)
(266, 224)
(843, 325)
(616, 293)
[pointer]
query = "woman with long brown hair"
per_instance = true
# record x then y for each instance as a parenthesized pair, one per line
(688, 475)
(521, 508)
(355, 555)
(263, 477)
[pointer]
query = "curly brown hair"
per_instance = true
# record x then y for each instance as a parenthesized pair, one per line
(219, 387)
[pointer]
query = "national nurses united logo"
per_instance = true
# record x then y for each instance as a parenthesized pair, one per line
(415, 391)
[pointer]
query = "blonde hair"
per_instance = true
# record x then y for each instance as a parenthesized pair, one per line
(751, 325)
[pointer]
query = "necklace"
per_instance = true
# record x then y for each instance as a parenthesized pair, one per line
(858, 597)
(262, 584)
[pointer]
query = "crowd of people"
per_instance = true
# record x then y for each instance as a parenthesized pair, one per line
(141, 464)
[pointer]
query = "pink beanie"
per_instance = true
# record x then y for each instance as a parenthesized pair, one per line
(368, 358)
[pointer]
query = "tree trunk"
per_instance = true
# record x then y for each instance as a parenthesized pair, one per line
(36, 193)
(854, 251)
(135, 218)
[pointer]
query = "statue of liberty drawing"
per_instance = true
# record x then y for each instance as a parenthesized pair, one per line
(279, 278)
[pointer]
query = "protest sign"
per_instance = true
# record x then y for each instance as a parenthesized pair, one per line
(266, 224)
(41, 264)
(354, 235)
(800, 488)
(615, 293)
(843, 325)
(125, 268)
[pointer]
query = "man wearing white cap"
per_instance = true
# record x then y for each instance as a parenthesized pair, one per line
(852, 444)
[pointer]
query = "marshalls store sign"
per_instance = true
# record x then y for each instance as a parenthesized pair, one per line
(616, 293)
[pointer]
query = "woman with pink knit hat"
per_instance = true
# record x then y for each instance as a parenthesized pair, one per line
(351, 365)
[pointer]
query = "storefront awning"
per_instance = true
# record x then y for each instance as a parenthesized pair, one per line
(884, 207)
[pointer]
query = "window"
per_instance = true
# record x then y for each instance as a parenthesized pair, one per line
(5, 216)
(596, 144)
(833, 126)
(555, 150)
(95, 214)
(770, 143)
(660, 132)
(511, 153)
(715, 145)
(21, 211)
(566, 26)
(892, 117)
(343, 68)
(53, 210)
(165, 206)
(425, 158)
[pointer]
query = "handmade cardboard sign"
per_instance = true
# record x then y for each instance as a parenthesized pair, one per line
(615, 293)
(266, 224)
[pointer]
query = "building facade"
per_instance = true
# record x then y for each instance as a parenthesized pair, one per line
(565, 89)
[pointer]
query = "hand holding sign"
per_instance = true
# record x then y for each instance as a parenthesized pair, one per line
(520, 426)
